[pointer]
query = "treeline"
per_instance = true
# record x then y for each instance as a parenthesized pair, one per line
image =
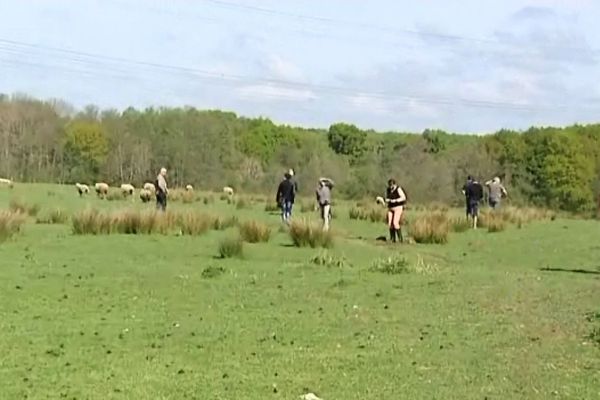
(47, 141)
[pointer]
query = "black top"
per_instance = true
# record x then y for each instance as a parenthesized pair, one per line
(394, 194)
(286, 192)
(473, 192)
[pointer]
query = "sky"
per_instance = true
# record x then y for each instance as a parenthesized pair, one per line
(466, 66)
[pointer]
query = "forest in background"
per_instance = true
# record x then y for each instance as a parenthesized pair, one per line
(50, 141)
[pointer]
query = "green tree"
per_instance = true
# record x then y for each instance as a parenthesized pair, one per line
(85, 150)
(348, 140)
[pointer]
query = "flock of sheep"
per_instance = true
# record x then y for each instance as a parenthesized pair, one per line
(146, 193)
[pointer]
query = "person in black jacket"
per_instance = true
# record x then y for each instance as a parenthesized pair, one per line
(286, 194)
(473, 191)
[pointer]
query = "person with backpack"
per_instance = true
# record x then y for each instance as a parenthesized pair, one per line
(473, 191)
(161, 190)
(286, 194)
(395, 199)
(324, 200)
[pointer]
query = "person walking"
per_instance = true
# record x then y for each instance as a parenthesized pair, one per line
(162, 190)
(395, 199)
(324, 200)
(286, 194)
(496, 191)
(473, 192)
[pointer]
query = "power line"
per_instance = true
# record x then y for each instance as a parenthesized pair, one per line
(84, 58)
(388, 29)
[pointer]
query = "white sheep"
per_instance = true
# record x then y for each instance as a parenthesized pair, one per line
(228, 190)
(82, 189)
(150, 187)
(146, 195)
(101, 189)
(380, 200)
(6, 182)
(189, 188)
(127, 189)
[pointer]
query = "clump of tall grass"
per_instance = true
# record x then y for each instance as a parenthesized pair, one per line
(241, 203)
(307, 206)
(231, 247)
(392, 265)
(373, 214)
(328, 260)
(307, 234)
(208, 200)
(493, 222)
(188, 197)
(54, 216)
(212, 272)
(222, 223)
(92, 222)
(10, 224)
(271, 207)
(19, 206)
(430, 228)
(460, 224)
(194, 224)
(255, 232)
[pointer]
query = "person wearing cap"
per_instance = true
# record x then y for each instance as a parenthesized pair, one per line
(496, 192)
(473, 192)
(324, 200)
(286, 194)
(161, 190)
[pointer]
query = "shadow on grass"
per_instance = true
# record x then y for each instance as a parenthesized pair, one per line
(574, 271)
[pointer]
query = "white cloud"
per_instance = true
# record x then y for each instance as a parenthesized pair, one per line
(274, 93)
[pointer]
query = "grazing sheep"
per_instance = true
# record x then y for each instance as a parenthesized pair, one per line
(127, 189)
(380, 200)
(149, 186)
(101, 189)
(228, 191)
(6, 182)
(189, 188)
(82, 189)
(146, 195)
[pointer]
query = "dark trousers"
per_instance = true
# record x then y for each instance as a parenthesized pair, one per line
(161, 201)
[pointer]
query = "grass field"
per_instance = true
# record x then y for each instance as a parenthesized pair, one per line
(507, 315)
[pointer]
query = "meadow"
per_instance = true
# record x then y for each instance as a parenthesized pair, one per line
(510, 311)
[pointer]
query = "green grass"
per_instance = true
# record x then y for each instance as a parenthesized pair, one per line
(502, 316)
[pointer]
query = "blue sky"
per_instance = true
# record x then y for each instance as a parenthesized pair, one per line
(464, 66)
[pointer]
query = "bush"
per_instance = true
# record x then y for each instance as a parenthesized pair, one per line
(231, 247)
(255, 232)
(392, 265)
(55, 216)
(220, 224)
(212, 272)
(271, 207)
(430, 228)
(329, 260)
(19, 206)
(306, 234)
(10, 224)
(194, 224)
(460, 224)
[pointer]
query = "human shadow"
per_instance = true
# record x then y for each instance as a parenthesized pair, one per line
(574, 271)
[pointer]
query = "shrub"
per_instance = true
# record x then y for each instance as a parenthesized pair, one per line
(194, 224)
(55, 216)
(212, 272)
(241, 203)
(430, 228)
(231, 247)
(220, 224)
(19, 206)
(10, 224)
(329, 260)
(460, 224)
(392, 265)
(271, 207)
(306, 234)
(255, 232)
(115, 195)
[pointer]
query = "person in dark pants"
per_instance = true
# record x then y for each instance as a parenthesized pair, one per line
(286, 194)
(473, 191)
(161, 190)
